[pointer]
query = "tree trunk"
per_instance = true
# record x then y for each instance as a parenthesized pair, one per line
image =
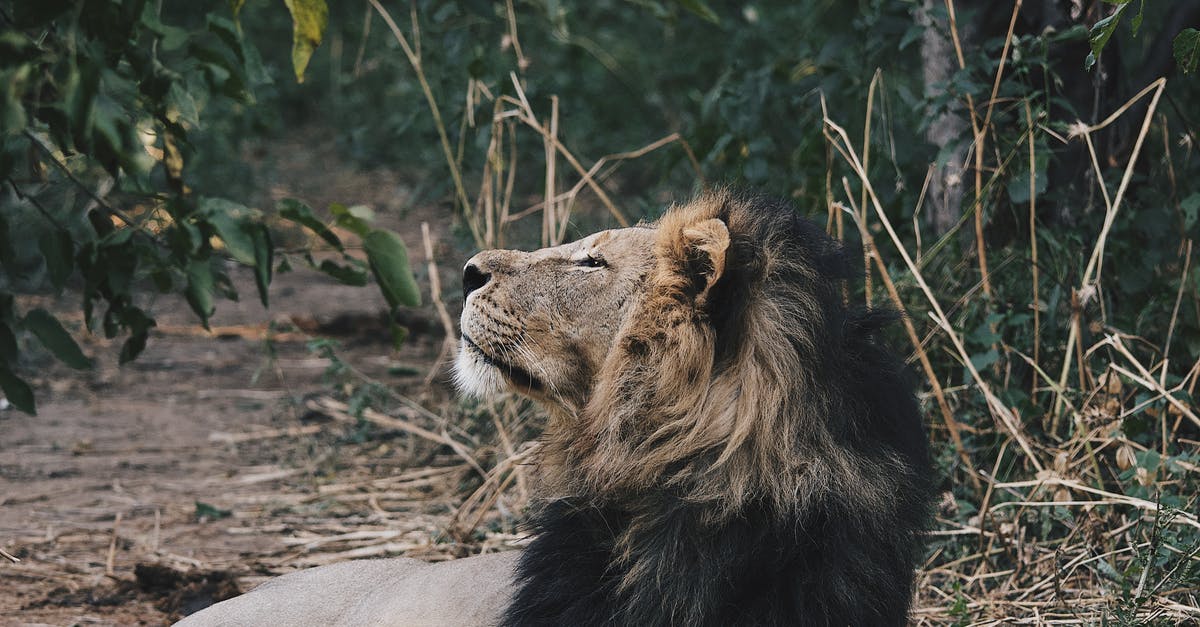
(949, 132)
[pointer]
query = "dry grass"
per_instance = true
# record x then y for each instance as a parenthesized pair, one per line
(1065, 543)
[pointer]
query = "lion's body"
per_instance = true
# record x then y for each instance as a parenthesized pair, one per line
(398, 592)
(728, 445)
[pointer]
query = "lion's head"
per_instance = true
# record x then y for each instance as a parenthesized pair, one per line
(542, 322)
(709, 353)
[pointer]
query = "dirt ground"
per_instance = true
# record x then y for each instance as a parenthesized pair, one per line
(141, 493)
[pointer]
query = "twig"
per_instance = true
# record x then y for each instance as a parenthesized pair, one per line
(224, 437)
(450, 340)
(1037, 307)
(388, 548)
(501, 480)
(414, 60)
(620, 156)
(362, 45)
(1146, 379)
(112, 547)
(522, 62)
(113, 211)
(549, 138)
(1185, 517)
(29, 198)
(1183, 280)
(9, 556)
(952, 425)
(866, 162)
(525, 114)
(999, 410)
(978, 132)
(340, 411)
(1095, 262)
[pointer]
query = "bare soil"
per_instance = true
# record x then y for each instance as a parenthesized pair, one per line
(145, 492)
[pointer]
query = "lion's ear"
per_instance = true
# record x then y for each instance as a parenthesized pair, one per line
(706, 243)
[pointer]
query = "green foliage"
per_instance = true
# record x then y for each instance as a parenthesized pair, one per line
(99, 102)
(309, 18)
(389, 263)
(1186, 45)
(1103, 29)
(17, 391)
(54, 337)
(206, 512)
(1187, 49)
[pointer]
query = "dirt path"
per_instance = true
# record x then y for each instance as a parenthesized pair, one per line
(127, 468)
(143, 492)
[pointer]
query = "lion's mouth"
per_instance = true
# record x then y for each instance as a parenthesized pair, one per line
(519, 377)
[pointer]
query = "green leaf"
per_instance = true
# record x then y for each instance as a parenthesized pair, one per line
(170, 37)
(1190, 207)
(309, 18)
(300, 213)
(1136, 22)
(349, 274)
(223, 285)
(389, 262)
(1101, 32)
(399, 334)
(264, 259)
(59, 253)
(181, 106)
(17, 392)
(139, 325)
(8, 345)
(701, 9)
(1187, 49)
(12, 111)
(232, 223)
(132, 347)
(210, 512)
(356, 219)
(54, 337)
(199, 290)
(983, 360)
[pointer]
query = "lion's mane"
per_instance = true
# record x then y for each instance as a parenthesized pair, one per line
(750, 454)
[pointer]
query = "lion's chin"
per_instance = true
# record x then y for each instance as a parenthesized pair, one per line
(479, 374)
(473, 374)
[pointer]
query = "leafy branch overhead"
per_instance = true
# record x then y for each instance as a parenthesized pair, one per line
(1186, 46)
(98, 104)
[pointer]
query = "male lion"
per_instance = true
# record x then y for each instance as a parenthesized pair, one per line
(727, 444)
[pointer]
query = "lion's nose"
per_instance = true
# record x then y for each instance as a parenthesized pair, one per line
(473, 279)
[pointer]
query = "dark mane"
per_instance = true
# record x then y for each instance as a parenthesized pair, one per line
(806, 509)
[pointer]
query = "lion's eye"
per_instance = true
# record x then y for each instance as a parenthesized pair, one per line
(592, 262)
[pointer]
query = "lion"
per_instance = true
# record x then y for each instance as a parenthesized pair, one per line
(727, 443)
